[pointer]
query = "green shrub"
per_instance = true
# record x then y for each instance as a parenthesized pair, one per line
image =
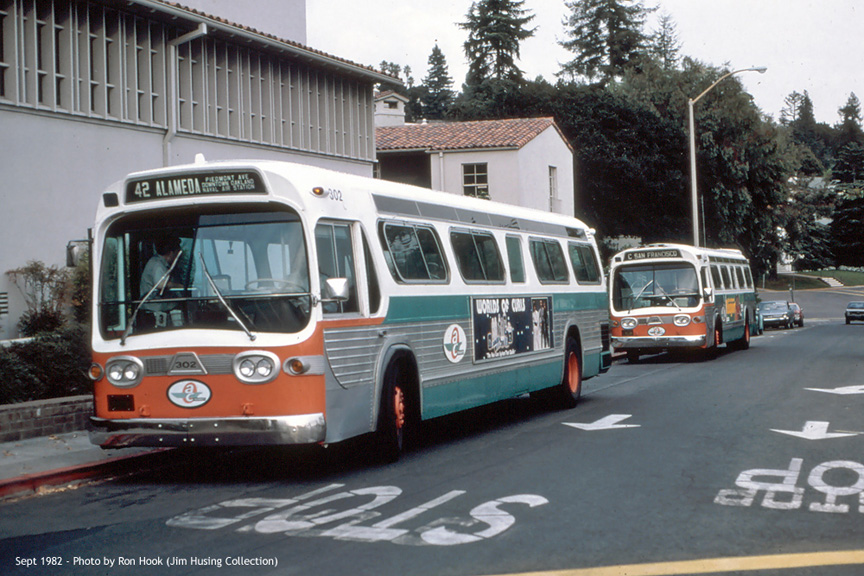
(52, 365)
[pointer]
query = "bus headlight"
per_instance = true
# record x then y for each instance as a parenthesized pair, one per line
(681, 320)
(256, 367)
(124, 371)
(629, 323)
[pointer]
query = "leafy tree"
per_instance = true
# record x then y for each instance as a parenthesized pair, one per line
(495, 29)
(847, 239)
(606, 37)
(437, 95)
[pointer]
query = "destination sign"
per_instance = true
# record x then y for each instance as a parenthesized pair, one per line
(194, 184)
(646, 254)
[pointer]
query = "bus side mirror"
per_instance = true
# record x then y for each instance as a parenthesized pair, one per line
(336, 290)
(708, 293)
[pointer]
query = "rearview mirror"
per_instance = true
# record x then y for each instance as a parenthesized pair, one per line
(708, 293)
(335, 290)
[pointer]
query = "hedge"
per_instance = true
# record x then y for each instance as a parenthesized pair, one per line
(52, 365)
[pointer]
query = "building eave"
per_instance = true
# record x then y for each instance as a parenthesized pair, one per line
(266, 41)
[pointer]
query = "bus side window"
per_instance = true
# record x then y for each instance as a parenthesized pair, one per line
(727, 279)
(477, 256)
(749, 276)
(371, 279)
(715, 275)
(336, 260)
(704, 273)
(514, 258)
(549, 261)
(739, 273)
(413, 253)
(584, 263)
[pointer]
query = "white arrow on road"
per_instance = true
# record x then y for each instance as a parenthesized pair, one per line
(815, 431)
(608, 423)
(843, 391)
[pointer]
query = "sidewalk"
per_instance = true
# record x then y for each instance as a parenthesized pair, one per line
(29, 466)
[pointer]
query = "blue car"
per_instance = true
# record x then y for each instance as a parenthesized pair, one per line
(777, 313)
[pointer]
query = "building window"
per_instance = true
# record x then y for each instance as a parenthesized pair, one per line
(553, 187)
(475, 180)
(4, 303)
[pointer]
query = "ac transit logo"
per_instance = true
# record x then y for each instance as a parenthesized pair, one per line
(455, 343)
(189, 394)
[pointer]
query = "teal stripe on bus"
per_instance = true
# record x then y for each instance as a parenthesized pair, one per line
(457, 307)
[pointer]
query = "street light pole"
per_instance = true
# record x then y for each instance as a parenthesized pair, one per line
(694, 195)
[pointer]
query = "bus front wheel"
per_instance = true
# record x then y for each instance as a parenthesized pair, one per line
(394, 415)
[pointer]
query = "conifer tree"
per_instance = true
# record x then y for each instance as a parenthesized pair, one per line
(606, 37)
(495, 29)
(437, 87)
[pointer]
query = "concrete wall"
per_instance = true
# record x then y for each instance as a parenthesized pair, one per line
(55, 167)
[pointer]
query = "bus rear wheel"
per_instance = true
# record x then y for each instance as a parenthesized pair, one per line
(570, 389)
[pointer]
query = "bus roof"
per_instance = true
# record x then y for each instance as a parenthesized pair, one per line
(675, 251)
(387, 197)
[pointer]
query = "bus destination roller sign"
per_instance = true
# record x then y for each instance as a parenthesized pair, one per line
(194, 184)
(657, 253)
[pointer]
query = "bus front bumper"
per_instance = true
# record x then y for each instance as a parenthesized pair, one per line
(273, 430)
(624, 342)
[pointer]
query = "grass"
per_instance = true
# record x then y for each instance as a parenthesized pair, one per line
(810, 280)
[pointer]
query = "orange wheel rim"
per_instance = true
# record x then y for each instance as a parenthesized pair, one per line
(573, 376)
(399, 407)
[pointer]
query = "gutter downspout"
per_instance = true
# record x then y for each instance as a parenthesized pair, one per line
(441, 185)
(173, 92)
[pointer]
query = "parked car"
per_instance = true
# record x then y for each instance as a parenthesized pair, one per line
(854, 311)
(777, 313)
(797, 314)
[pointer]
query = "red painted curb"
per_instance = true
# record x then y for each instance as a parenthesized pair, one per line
(30, 483)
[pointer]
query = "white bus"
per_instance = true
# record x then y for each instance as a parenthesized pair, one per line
(672, 296)
(245, 303)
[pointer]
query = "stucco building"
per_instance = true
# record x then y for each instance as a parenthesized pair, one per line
(523, 161)
(91, 90)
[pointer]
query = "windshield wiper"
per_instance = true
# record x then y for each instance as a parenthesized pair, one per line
(147, 297)
(635, 298)
(222, 299)
(666, 295)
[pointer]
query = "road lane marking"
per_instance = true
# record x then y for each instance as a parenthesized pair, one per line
(717, 565)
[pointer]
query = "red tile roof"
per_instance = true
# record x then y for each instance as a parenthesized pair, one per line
(510, 133)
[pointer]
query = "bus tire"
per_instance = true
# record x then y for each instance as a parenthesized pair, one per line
(569, 390)
(632, 356)
(743, 343)
(713, 350)
(397, 414)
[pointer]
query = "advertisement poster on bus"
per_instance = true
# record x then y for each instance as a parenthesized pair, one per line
(508, 326)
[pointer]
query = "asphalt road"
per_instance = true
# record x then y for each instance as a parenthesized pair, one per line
(673, 465)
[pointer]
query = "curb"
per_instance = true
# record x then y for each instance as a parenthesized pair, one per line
(31, 484)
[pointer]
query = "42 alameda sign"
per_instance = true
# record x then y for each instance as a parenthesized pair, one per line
(198, 184)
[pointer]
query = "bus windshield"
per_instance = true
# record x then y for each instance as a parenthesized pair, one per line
(212, 268)
(649, 285)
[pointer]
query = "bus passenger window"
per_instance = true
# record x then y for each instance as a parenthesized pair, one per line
(584, 263)
(514, 258)
(715, 275)
(413, 253)
(336, 260)
(739, 274)
(549, 261)
(727, 278)
(477, 255)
